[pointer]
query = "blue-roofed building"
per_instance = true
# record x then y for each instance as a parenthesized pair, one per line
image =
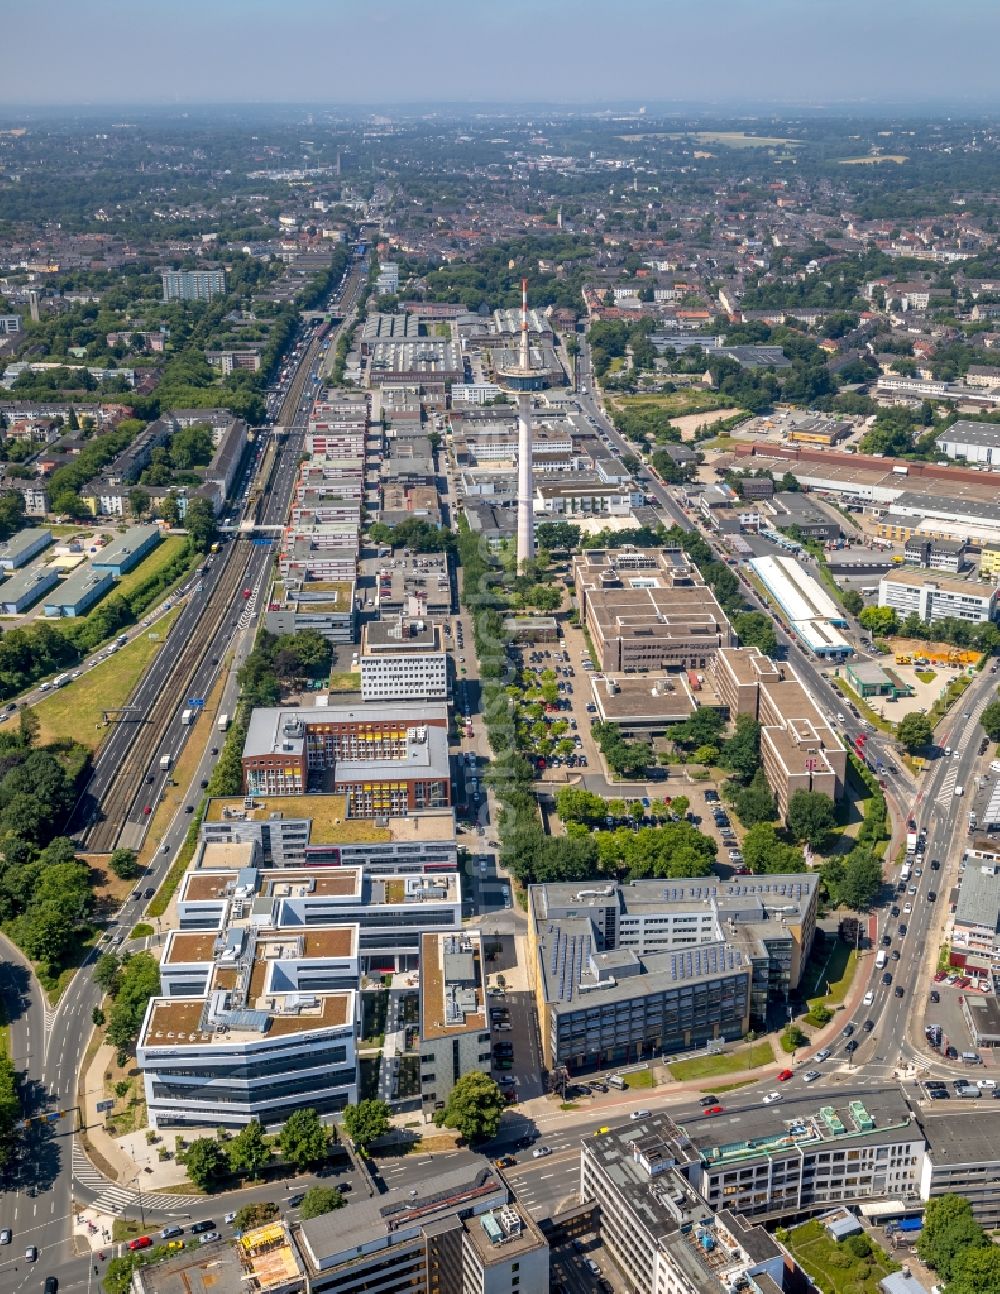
(126, 551)
(25, 587)
(22, 547)
(79, 592)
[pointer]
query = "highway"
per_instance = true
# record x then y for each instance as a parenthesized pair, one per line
(48, 1045)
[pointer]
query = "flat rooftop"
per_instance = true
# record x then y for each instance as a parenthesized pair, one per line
(212, 1269)
(444, 993)
(643, 698)
(177, 1022)
(330, 823)
(954, 1139)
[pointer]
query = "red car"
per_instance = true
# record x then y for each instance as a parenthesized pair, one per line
(941, 975)
(784, 1076)
(140, 1242)
(715, 1109)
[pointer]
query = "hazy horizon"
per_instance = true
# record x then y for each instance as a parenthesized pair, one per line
(732, 55)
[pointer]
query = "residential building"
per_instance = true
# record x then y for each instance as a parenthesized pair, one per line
(932, 597)
(387, 759)
(810, 612)
(454, 1029)
(22, 547)
(989, 563)
(9, 325)
(193, 285)
(460, 1232)
(656, 1228)
(403, 659)
(974, 442)
(78, 592)
(648, 610)
(625, 972)
(315, 830)
(798, 748)
(127, 550)
(387, 282)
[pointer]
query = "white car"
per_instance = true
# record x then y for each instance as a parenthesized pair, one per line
(907, 907)
(639, 1114)
(540, 1152)
(771, 1097)
(810, 1076)
(986, 1084)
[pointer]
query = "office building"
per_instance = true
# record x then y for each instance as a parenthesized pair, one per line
(454, 1031)
(403, 659)
(460, 1232)
(648, 610)
(386, 759)
(946, 555)
(415, 584)
(792, 510)
(932, 597)
(975, 942)
(989, 563)
(193, 285)
(656, 1227)
(963, 1158)
(799, 750)
(625, 972)
(9, 325)
(327, 606)
(311, 830)
(387, 283)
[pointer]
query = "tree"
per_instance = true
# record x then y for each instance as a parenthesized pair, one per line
(200, 522)
(862, 878)
(765, 851)
(949, 1230)
(741, 753)
(474, 1107)
(756, 630)
(106, 972)
(879, 621)
(138, 501)
(706, 755)
(205, 1162)
(793, 1038)
(124, 864)
(811, 818)
(304, 1141)
(68, 503)
(976, 1271)
(574, 804)
(319, 1200)
(990, 720)
(699, 729)
(367, 1121)
(914, 730)
(256, 1215)
(248, 1151)
(169, 510)
(138, 980)
(852, 600)
(755, 803)
(10, 1110)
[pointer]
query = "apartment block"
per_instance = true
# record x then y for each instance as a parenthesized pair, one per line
(454, 1030)
(403, 659)
(463, 1232)
(655, 1225)
(624, 972)
(799, 750)
(193, 285)
(648, 610)
(311, 830)
(932, 597)
(386, 759)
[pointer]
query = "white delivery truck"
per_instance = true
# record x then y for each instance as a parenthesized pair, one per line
(187, 717)
(223, 722)
(164, 762)
(880, 958)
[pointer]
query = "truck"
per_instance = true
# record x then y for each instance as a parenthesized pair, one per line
(187, 718)
(223, 722)
(880, 958)
(911, 837)
(164, 762)
(904, 875)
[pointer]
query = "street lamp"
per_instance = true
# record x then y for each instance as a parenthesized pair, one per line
(137, 1182)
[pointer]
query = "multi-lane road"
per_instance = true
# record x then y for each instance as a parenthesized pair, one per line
(48, 1044)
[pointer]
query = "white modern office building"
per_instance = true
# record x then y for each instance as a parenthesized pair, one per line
(934, 597)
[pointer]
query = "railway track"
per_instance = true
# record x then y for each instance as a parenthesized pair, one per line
(115, 805)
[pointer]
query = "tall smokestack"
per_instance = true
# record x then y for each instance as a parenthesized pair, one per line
(525, 352)
(525, 512)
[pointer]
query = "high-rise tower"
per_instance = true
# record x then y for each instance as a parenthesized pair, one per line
(525, 508)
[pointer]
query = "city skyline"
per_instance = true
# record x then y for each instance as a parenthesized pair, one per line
(779, 52)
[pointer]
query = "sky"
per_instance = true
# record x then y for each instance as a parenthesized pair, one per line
(381, 52)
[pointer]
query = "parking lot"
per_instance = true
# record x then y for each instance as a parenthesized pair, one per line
(947, 1014)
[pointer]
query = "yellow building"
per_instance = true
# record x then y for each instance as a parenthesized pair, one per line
(990, 563)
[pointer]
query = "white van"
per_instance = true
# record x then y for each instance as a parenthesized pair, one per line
(616, 1080)
(959, 790)
(880, 958)
(869, 997)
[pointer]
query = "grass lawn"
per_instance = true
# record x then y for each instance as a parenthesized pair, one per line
(640, 1079)
(926, 675)
(344, 681)
(75, 710)
(898, 158)
(716, 1088)
(727, 1062)
(686, 400)
(837, 971)
(158, 560)
(832, 1267)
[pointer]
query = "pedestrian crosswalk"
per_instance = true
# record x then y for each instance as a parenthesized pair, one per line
(950, 780)
(110, 1197)
(948, 785)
